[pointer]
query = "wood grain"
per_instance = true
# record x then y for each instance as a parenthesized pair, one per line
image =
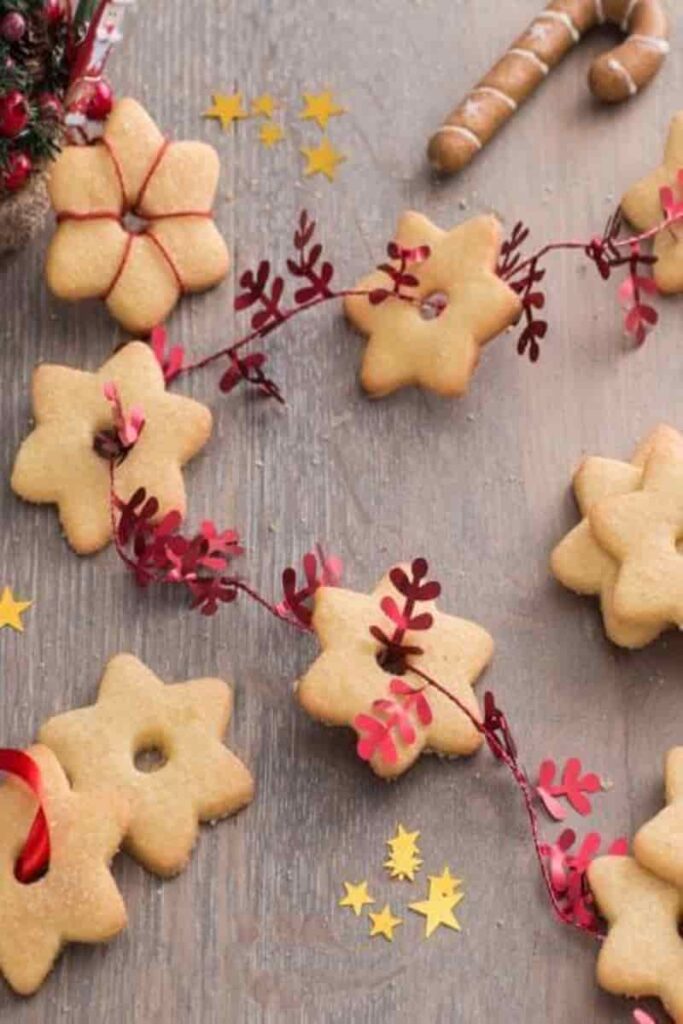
(250, 933)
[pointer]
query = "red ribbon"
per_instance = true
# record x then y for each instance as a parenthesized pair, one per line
(105, 215)
(35, 856)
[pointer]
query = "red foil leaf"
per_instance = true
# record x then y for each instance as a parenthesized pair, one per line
(34, 857)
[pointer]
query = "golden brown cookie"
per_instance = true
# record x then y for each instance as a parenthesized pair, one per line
(77, 899)
(659, 844)
(581, 564)
(440, 353)
(641, 530)
(643, 208)
(57, 462)
(195, 779)
(346, 678)
(643, 952)
(139, 269)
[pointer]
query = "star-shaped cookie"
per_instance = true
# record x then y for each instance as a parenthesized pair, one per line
(199, 779)
(77, 899)
(659, 844)
(643, 952)
(57, 462)
(346, 678)
(407, 345)
(641, 531)
(643, 208)
(581, 564)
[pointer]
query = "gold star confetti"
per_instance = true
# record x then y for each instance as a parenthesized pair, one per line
(270, 133)
(404, 859)
(264, 106)
(444, 885)
(357, 897)
(226, 109)
(11, 610)
(320, 107)
(322, 159)
(384, 923)
(438, 908)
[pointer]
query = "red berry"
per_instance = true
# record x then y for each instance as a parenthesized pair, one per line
(50, 106)
(13, 114)
(18, 168)
(53, 11)
(100, 102)
(13, 27)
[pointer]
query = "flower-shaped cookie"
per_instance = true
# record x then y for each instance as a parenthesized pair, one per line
(582, 564)
(347, 678)
(643, 953)
(642, 206)
(57, 462)
(196, 777)
(135, 221)
(659, 844)
(407, 343)
(77, 899)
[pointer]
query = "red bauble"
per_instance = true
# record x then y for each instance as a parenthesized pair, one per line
(100, 102)
(50, 106)
(53, 11)
(13, 27)
(13, 114)
(19, 166)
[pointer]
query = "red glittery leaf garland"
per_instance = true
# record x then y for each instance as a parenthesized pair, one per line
(171, 358)
(34, 857)
(392, 714)
(398, 275)
(414, 589)
(117, 442)
(568, 875)
(607, 252)
(573, 788)
(319, 570)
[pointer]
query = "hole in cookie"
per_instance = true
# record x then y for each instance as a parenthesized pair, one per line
(433, 305)
(150, 758)
(133, 224)
(391, 661)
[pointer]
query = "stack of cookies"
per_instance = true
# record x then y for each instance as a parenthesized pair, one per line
(140, 768)
(642, 899)
(626, 549)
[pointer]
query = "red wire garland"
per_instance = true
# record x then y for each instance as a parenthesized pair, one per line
(35, 855)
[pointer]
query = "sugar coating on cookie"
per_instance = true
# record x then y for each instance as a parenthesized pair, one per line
(643, 952)
(642, 206)
(57, 463)
(195, 777)
(77, 899)
(346, 678)
(407, 343)
(139, 267)
(658, 846)
(583, 564)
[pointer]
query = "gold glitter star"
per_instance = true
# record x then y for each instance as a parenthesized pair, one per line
(322, 159)
(357, 896)
(226, 109)
(11, 610)
(384, 923)
(264, 106)
(270, 133)
(320, 107)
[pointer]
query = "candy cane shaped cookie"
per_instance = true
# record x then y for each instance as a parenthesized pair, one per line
(613, 77)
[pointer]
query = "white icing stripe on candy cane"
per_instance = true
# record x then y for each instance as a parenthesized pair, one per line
(627, 16)
(489, 90)
(461, 130)
(533, 57)
(564, 19)
(599, 12)
(615, 65)
(654, 42)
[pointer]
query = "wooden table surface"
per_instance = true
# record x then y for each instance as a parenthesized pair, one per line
(251, 931)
